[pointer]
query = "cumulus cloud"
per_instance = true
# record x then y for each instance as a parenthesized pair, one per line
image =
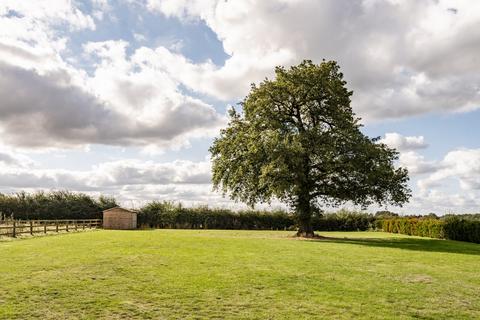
(403, 143)
(460, 166)
(50, 110)
(108, 175)
(47, 102)
(408, 147)
(396, 55)
(398, 65)
(416, 163)
(442, 202)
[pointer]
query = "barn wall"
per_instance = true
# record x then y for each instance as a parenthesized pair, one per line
(119, 219)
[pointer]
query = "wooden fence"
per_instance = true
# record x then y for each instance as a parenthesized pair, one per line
(12, 228)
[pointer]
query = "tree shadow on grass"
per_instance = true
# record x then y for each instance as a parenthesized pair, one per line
(414, 244)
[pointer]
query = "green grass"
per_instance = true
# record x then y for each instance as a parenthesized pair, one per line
(188, 274)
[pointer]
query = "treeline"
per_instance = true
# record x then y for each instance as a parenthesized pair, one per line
(53, 205)
(461, 228)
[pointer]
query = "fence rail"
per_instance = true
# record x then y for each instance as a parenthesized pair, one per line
(13, 228)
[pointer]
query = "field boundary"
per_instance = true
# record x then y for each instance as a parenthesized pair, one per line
(13, 228)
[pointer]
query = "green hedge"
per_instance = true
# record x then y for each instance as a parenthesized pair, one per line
(462, 229)
(423, 227)
(53, 205)
(344, 220)
(170, 215)
(452, 228)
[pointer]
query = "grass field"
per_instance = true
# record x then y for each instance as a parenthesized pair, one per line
(187, 274)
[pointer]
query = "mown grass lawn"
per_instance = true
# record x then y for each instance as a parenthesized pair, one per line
(187, 274)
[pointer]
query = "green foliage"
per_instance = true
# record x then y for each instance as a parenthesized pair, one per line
(53, 205)
(170, 215)
(423, 227)
(474, 216)
(343, 220)
(462, 229)
(299, 141)
(106, 202)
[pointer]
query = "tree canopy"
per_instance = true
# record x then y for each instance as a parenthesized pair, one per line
(297, 139)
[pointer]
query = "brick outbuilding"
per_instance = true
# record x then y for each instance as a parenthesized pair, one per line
(119, 219)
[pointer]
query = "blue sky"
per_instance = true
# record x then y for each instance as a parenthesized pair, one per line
(125, 97)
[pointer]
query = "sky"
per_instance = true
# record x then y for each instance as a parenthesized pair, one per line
(125, 97)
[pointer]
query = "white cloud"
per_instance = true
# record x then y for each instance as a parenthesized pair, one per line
(11, 159)
(409, 158)
(416, 163)
(403, 143)
(123, 103)
(460, 166)
(105, 176)
(402, 58)
(442, 202)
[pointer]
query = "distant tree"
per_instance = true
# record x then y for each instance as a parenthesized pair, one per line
(299, 141)
(431, 215)
(385, 214)
(106, 202)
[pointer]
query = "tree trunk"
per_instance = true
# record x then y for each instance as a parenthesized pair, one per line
(305, 230)
(304, 200)
(304, 217)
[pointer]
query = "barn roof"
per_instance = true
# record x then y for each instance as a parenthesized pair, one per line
(116, 208)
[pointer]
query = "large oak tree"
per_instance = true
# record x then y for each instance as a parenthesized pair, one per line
(298, 140)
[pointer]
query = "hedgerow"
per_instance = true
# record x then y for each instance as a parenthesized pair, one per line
(423, 227)
(462, 229)
(170, 215)
(344, 220)
(53, 205)
(451, 227)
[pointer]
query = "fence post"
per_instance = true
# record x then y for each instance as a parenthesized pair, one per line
(75, 225)
(14, 231)
(56, 226)
(45, 227)
(67, 225)
(31, 227)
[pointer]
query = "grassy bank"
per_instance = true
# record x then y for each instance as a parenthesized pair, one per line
(197, 274)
